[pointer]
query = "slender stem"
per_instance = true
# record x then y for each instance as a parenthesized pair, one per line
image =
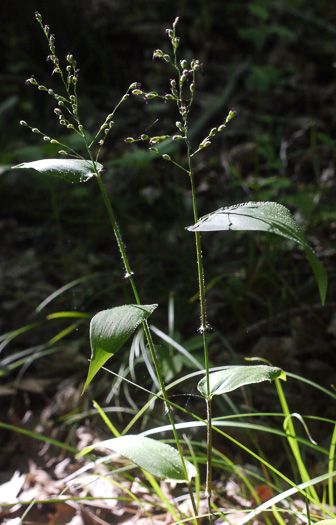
(203, 329)
(129, 275)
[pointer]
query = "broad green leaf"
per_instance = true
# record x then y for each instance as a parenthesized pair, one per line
(110, 329)
(263, 216)
(72, 170)
(159, 459)
(230, 379)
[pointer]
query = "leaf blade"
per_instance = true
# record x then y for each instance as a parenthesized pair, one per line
(110, 329)
(230, 379)
(159, 459)
(263, 216)
(71, 170)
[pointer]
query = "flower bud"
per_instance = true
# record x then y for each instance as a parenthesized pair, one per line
(168, 96)
(137, 92)
(35, 130)
(154, 150)
(206, 142)
(150, 95)
(47, 139)
(129, 139)
(31, 80)
(175, 22)
(166, 157)
(176, 42)
(177, 137)
(23, 123)
(135, 85)
(155, 140)
(157, 54)
(38, 17)
(195, 65)
(183, 64)
(213, 132)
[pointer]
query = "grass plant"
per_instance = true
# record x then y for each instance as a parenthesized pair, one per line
(180, 460)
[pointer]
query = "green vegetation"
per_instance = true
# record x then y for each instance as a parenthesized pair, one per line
(164, 354)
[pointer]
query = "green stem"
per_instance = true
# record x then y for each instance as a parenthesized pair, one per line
(203, 330)
(129, 275)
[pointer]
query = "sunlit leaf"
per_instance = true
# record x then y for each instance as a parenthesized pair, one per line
(232, 378)
(159, 459)
(72, 170)
(110, 329)
(263, 216)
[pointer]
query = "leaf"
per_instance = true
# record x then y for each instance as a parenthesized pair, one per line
(72, 170)
(110, 329)
(230, 379)
(263, 216)
(159, 459)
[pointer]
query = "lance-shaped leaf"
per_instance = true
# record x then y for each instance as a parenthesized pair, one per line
(72, 170)
(232, 378)
(263, 216)
(159, 459)
(110, 329)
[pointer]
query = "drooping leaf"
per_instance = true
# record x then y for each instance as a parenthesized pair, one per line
(263, 216)
(72, 170)
(110, 329)
(232, 378)
(159, 459)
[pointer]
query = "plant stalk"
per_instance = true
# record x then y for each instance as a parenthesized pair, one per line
(203, 330)
(129, 275)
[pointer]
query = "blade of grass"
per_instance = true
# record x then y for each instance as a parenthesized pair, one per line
(293, 442)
